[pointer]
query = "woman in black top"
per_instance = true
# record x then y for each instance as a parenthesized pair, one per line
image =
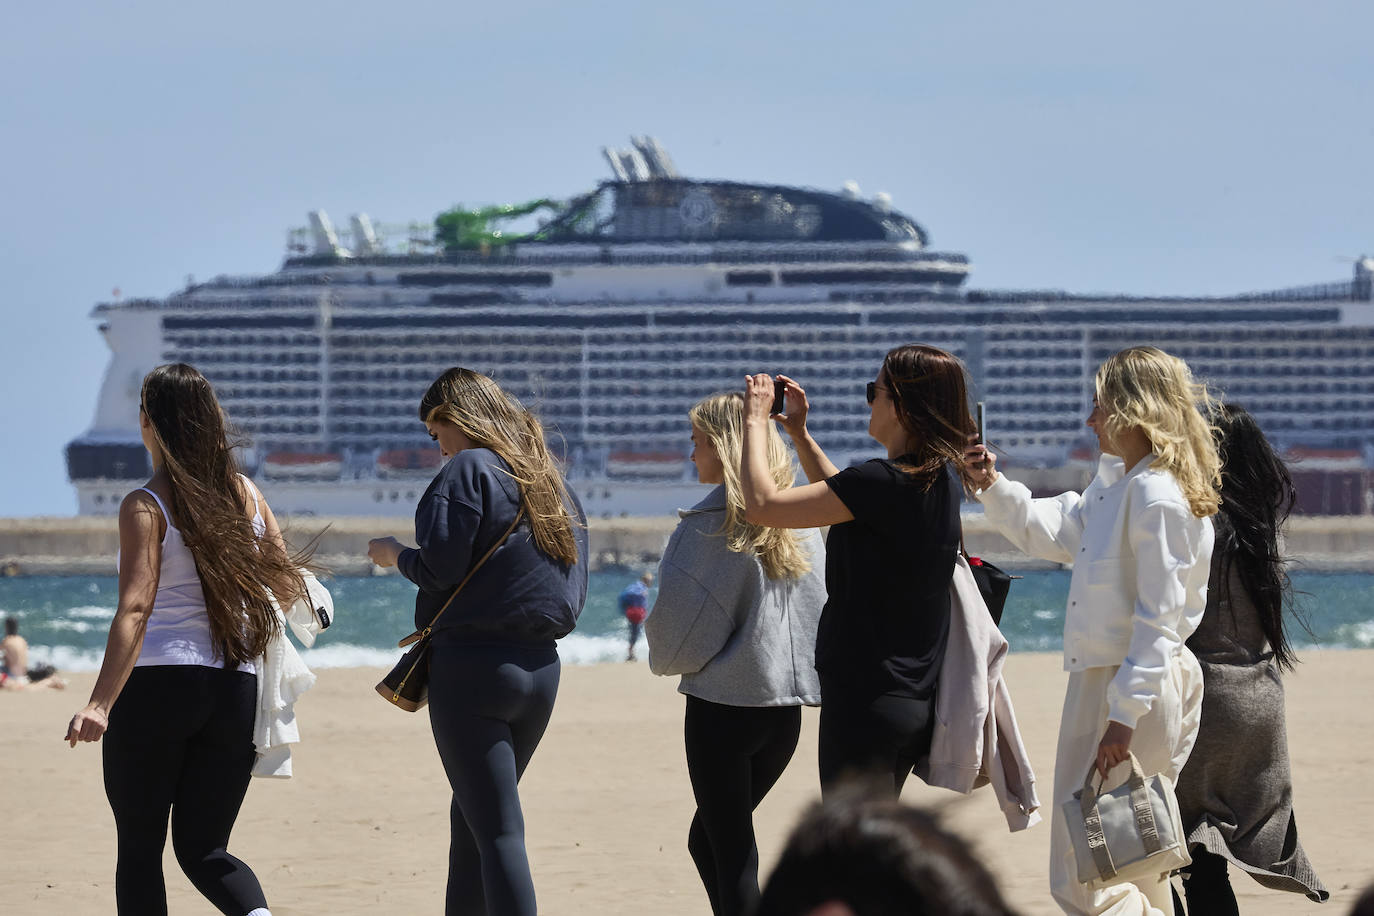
(889, 557)
(494, 665)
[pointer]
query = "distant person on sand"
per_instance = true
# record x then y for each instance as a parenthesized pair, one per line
(493, 662)
(634, 604)
(1235, 795)
(736, 616)
(175, 700)
(16, 673)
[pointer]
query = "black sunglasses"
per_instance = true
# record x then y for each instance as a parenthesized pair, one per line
(871, 391)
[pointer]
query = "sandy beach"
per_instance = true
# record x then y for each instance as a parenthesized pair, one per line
(363, 826)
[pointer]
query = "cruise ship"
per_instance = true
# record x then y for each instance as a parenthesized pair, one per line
(611, 313)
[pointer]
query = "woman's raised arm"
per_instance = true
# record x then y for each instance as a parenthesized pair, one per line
(811, 506)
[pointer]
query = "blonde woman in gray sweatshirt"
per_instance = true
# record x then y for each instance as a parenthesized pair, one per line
(736, 616)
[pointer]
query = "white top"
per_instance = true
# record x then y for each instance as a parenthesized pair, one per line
(1140, 565)
(179, 628)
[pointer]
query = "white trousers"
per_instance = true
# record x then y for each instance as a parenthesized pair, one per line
(1162, 740)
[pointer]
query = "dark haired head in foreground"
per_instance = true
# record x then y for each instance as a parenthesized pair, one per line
(859, 853)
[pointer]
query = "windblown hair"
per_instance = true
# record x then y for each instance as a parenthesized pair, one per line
(867, 850)
(494, 419)
(929, 388)
(780, 550)
(211, 507)
(1257, 495)
(1147, 388)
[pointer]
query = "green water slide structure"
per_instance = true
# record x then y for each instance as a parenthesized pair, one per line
(461, 229)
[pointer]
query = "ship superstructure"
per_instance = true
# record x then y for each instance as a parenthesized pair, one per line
(635, 300)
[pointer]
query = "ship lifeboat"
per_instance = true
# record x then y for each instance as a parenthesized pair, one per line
(409, 462)
(646, 465)
(302, 466)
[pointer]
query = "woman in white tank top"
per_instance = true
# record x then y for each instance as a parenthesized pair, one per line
(199, 553)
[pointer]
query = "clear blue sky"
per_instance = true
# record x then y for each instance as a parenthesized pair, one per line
(1165, 148)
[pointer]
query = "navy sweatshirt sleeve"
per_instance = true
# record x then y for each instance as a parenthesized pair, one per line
(445, 529)
(446, 524)
(520, 594)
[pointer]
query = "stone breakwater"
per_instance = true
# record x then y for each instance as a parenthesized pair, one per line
(86, 545)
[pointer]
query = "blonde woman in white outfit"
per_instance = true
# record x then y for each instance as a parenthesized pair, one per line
(1140, 541)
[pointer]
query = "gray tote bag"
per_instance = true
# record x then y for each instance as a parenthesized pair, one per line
(1132, 831)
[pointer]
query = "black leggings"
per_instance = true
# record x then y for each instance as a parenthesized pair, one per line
(488, 707)
(1206, 886)
(872, 737)
(734, 755)
(180, 740)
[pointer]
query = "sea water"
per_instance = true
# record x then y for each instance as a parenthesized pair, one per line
(66, 619)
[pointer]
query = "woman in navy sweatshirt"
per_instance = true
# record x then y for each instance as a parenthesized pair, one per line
(493, 663)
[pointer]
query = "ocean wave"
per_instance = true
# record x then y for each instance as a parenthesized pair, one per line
(92, 613)
(73, 626)
(591, 650)
(345, 655)
(67, 658)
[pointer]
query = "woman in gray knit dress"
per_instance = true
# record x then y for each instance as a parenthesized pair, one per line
(1235, 794)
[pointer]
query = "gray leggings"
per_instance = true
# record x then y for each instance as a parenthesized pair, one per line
(488, 707)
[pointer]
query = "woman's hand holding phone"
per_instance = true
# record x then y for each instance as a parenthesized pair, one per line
(758, 396)
(981, 464)
(793, 421)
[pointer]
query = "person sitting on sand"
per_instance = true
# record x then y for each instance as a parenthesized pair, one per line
(16, 674)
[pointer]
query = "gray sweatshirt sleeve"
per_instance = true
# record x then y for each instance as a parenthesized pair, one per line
(687, 625)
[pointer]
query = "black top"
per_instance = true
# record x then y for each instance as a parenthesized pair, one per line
(888, 574)
(520, 595)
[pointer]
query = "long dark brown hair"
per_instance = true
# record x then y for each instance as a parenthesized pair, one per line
(210, 505)
(1257, 495)
(496, 420)
(929, 389)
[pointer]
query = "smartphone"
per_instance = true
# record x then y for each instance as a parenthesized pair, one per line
(978, 410)
(778, 388)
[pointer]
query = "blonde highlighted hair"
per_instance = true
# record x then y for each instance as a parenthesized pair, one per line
(721, 418)
(495, 420)
(1147, 388)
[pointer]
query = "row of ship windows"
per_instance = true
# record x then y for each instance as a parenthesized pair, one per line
(1362, 369)
(371, 352)
(998, 334)
(600, 336)
(1172, 340)
(1073, 370)
(231, 393)
(1034, 352)
(218, 376)
(640, 353)
(1237, 351)
(206, 358)
(1305, 388)
(711, 330)
(1060, 388)
(193, 339)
